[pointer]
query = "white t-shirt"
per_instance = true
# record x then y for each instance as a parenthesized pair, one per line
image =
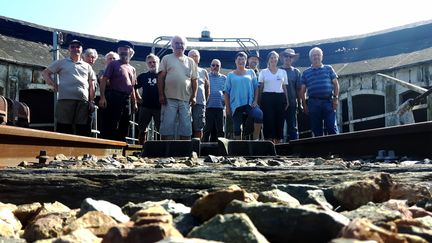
(273, 82)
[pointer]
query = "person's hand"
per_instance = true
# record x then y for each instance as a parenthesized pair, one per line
(299, 108)
(162, 100)
(91, 106)
(228, 111)
(305, 109)
(254, 104)
(134, 107)
(192, 101)
(138, 100)
(335, 104)
(102, 102)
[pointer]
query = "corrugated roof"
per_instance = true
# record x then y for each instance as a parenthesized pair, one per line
(28, 43)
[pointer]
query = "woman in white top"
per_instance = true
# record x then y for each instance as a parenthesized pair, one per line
(274, 98)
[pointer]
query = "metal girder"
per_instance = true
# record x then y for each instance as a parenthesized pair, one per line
(240, 41)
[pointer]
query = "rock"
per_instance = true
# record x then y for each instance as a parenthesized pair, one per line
(215, 202)
(278, 196)
(427, 221)
(154, 214)
(186, 240)
(45, 227)
(149, 225)
(26, 212)
(362, 229)
(11, 240)
(373, 212)
(279, 223)
(353, 194)
(175, 209)
(106, 207)
(7, 216)
(425, 203)
(79, 235)
(213, 159)
(56, 207)
(298, 191)
(317, 197)
(229, 228)
(95, 221)
(7, 230)
(410, 192)
(185, 223)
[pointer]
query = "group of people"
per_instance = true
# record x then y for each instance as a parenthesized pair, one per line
(185, 100)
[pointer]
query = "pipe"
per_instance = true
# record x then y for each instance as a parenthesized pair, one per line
(407, 85)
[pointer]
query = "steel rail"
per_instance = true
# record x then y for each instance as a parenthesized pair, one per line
(18, 144)
(412, 140)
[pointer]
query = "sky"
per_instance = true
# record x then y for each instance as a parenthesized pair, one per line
(269, 22)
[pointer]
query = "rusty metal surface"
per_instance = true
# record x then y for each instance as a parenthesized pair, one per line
(17, 144)
(412, 140)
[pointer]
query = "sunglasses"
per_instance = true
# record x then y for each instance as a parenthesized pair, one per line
(215, 65)
(74, 46)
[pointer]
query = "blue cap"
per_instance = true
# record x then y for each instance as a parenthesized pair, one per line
(124, 43)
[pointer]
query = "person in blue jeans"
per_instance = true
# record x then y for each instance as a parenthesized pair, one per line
(321, 83)
(289, 56)
(241, 96)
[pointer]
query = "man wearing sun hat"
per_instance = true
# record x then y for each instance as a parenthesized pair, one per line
(75, 90)
(288, 57)
(116, 88)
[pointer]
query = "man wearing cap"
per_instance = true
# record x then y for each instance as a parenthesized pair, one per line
(116, 88)
(177, 84)
(288, 57)
(322, 87)
(75, 91)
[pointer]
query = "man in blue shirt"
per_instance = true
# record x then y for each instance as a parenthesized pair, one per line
(322, 87)
(215, 104)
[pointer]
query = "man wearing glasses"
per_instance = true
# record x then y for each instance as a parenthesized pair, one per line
(75, 90)
(215, 104)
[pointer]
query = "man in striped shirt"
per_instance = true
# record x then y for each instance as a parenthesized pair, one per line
(215, 104)
(322, 87)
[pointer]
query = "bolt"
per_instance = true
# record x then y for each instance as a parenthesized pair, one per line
(42, 157)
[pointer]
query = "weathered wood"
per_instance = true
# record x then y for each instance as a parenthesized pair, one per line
(70, 187)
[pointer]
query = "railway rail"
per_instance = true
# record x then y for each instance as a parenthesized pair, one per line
(413, 140)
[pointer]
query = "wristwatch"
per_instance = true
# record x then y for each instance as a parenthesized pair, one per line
(335, 97)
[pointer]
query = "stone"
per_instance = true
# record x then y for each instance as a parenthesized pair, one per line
(410, 192)
(278, 196)
(79, 235)
(298, 191)
(26, 212)
(186, 240)
(95, 221)
(151, 215)
(7, 230)
(317, 197)
(229, 228)
(353, 194)
(279, 223)
(215, 202)
(48, 226)
(7, 216)
(106, 207)
(374, 213)
(362, 229)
